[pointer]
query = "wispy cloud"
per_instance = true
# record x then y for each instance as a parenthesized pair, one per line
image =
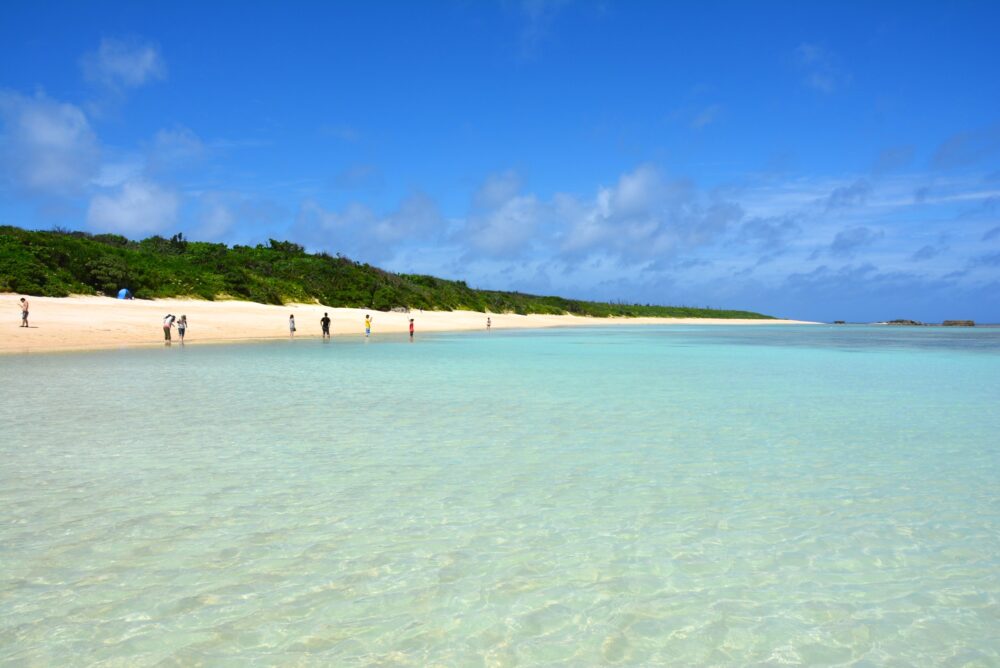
(124, 63)
(537, 16)
(849, 241)
(341, 132)
(927, 252)
(893, 158)
(821, 68)
(968, 148)
(174, 148)
(359, 176)
(707, 116)
(853, 195)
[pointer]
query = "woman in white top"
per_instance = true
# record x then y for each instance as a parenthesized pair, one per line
(168, 322)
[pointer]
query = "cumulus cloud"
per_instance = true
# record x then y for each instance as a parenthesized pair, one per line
(120, 64)
(47, 147)
(505, 230)
(236, 215)
(497, 190)
(215, 218)
(644, 215)
(358, 231)
(137, 207)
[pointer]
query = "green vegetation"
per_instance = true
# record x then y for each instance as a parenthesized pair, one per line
(61, 263)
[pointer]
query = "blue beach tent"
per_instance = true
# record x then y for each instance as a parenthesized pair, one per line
(124, 294)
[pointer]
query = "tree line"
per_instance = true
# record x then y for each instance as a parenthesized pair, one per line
(59, 262)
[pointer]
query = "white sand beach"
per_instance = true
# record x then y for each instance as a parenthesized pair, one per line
(85, 322)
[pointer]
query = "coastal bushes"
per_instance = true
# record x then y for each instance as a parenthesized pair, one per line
(58, 263)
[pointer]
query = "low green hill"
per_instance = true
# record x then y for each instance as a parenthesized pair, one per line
(60, 263)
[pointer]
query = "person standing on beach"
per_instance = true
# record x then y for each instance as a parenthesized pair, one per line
(291, 325)
(182, 326)
(411, 329)
(324, 323)
(24, 312)
(168, 322)
(488, 323)
(368, 325)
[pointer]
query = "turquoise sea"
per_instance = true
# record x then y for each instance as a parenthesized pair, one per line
(635, 496)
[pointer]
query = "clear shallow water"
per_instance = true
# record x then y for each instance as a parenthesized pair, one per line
(640, 496)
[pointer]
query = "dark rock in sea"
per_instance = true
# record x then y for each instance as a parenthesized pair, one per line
(912, 323)
(958, 323)
(838, 322)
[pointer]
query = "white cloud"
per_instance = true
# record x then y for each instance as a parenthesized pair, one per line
(47, 147)
(358, 231)
(507, 229)
(216, 218)
(236, 216)
(645, 215)
(117, 171)
(120, 64)
(138, 207)
(497, 189)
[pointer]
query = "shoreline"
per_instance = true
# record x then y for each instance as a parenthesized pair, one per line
(81, 323)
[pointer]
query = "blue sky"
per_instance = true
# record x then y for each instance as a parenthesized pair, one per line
(831, 160)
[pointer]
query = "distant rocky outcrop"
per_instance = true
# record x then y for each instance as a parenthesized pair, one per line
(958, 323)
(911, 323)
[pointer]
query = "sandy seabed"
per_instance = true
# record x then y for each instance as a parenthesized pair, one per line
(85, 322)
